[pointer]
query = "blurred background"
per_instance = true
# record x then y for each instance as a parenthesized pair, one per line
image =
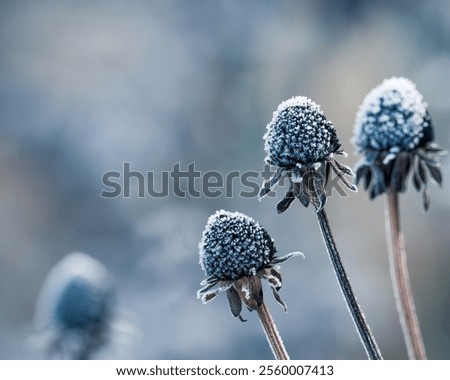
(88, 85)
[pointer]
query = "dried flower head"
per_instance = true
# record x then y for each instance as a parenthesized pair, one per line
(394, 132)
(302, 143)
(235, 253)
(75, 306)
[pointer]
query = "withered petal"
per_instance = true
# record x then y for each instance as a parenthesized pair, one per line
(250, 291)
(273, 276)
(344, 168)
(416, 180)
(421, 171)
(400, 171)
(278, 299)
(339, 172)
(284, 204)
(234, 302)
(426, 198)
(267, 187)
(206, 294)
(300, 194)
(435, 173)
(281, 259)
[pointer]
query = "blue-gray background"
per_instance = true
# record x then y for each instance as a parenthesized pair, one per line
(88, 85)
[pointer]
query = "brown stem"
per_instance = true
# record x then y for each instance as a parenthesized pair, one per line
(275, 342)
(400, 281)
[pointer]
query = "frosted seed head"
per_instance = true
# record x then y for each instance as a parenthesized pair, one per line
(299, 133)
(233, 246)
(77, 294)
(392, 117)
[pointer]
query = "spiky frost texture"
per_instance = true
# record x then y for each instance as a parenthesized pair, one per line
(302, 143)
(394, 133)
(235, 253)
(393, 117)
(299, 133)
(234, 245)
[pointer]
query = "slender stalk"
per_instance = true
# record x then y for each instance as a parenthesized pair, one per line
(362, 327)
(400, 280)
(275, 342)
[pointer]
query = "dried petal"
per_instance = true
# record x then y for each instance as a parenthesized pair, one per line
(234, 302)
(394, 131)
(268, 186)
(250, 291)
(278, 260)
(284, 204)
(278, 299)
(435, 173)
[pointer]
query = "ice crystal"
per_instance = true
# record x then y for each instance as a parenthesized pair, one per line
(393, 117)
(236, 252)
(393, 131)
(302, 143)
(299, 133)
(234, 245)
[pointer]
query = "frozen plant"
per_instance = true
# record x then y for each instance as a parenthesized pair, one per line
(236, 252)
(302, 144)
(75, 307)
(394, 133)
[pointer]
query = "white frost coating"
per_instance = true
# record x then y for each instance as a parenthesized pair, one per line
(297, 101)
(298, 134)
(246, 290)
(234, 245)
(392, 116)
(276, 334)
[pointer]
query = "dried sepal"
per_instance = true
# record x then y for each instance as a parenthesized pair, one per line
(302, 143)
(235, 303)
(281, 259)
(394, 132)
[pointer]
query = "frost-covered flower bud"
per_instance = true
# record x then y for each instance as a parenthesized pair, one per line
(393, 117)
(234, 245)
(302, 143)
(236, 252)
(394, 133)
(75, 306)
(299, 133)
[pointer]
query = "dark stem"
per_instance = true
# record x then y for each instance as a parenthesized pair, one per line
(275, 342)
(365, 334)
(400, 280)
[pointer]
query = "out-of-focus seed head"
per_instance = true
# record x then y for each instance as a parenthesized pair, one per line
(392, 117)
(76, 304)
(299, 133)
(394, 133)
(233, 246)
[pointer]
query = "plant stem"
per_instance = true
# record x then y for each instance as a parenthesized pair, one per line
(275, 342)
(400, 280)
(362, 327)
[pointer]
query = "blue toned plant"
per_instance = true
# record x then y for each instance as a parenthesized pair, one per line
(394, 133)
(236, 252)
(75, 307)
(302, 144)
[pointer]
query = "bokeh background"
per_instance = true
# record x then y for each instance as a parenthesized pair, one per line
(88, 85)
